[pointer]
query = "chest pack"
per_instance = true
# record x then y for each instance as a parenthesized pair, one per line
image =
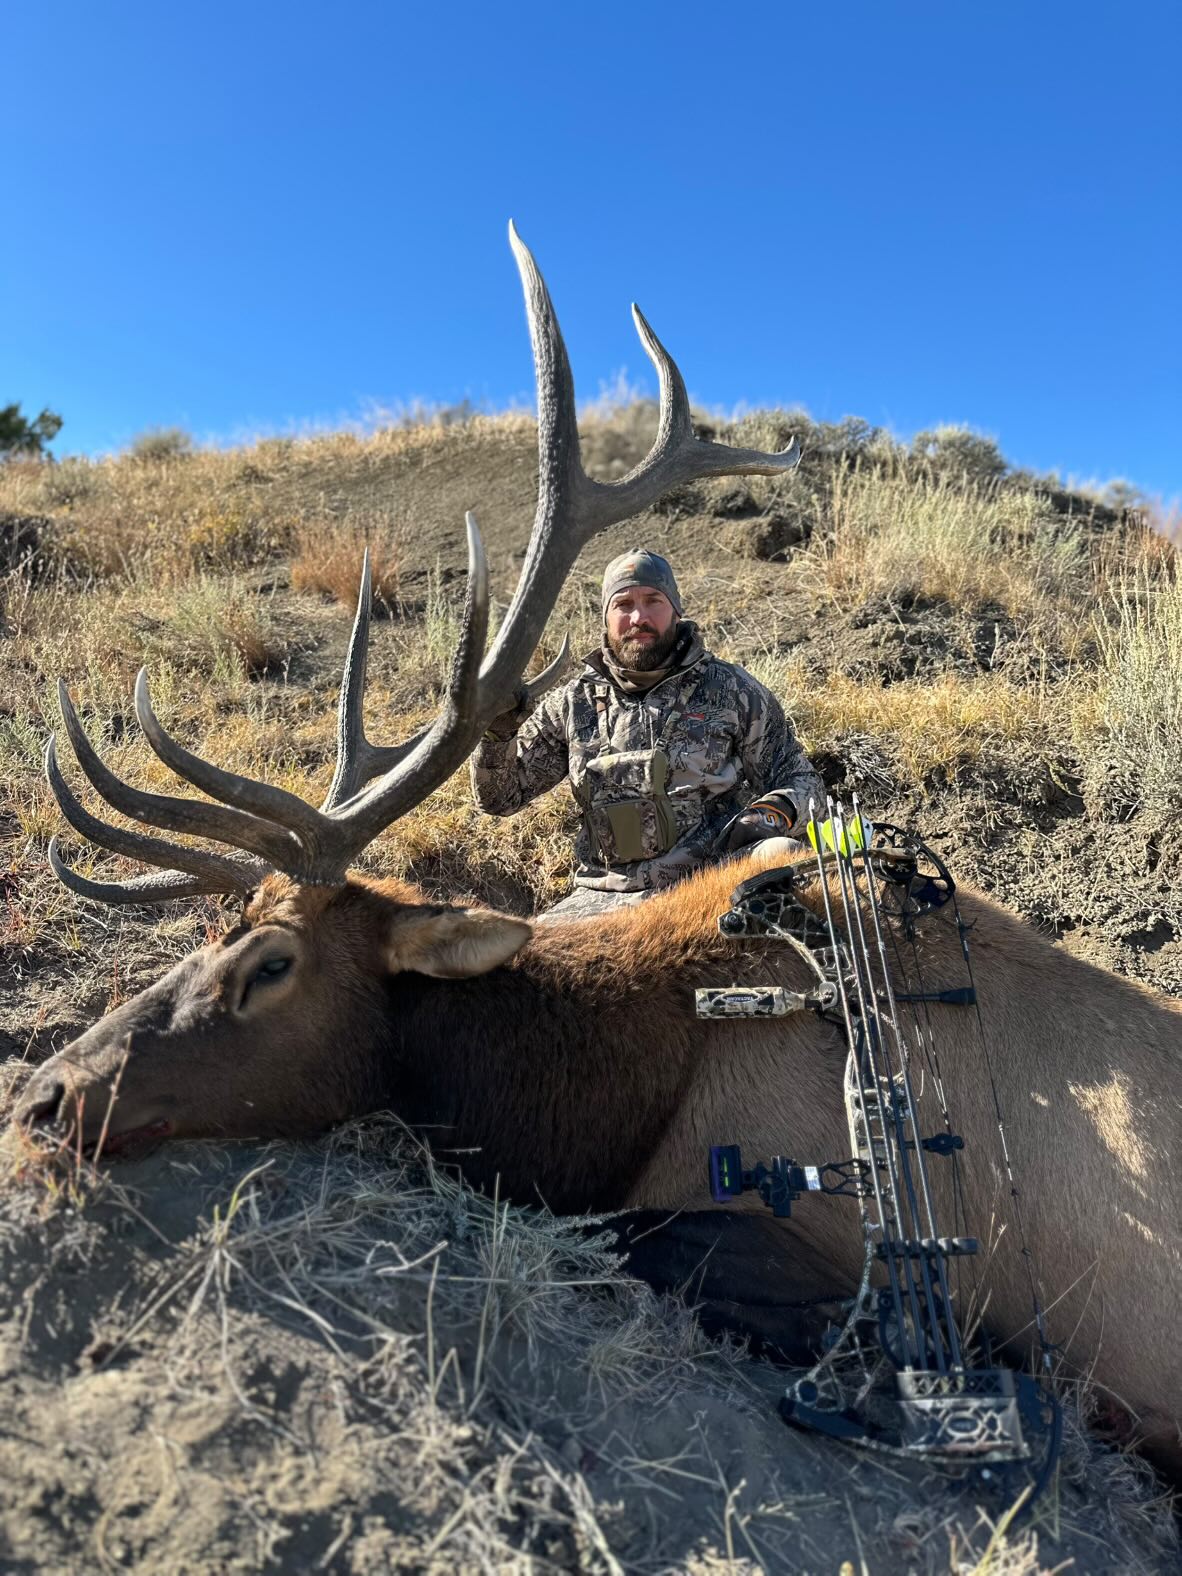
(623, 794)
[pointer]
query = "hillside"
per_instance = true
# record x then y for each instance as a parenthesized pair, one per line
(261, 1358)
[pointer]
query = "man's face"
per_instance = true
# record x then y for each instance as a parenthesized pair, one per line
(641, 627)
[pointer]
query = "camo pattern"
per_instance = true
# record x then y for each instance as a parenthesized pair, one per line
(730, 743)
(759, 1001)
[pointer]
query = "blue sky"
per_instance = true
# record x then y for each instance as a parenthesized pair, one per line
(258, 217)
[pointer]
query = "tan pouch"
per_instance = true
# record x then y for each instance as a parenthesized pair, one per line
(625, 806)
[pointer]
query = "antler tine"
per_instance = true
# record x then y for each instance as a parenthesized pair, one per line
(217, 822)
(675, 423)
(143, 889)
(559, 468)
(677, 455)
(463, 688)
(215, 871)
(432, 756)
(259, 799)
(351, 740)
(564, 490)
(357, 759)
(559, 465)
(535, 688)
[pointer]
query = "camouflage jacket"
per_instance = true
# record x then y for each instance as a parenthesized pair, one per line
(657, 775)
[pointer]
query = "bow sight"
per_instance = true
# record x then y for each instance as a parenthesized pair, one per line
(874, 883)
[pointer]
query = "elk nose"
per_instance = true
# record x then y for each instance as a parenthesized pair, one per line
(42, 1103)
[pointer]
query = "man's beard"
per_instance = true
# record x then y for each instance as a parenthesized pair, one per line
(642, 656)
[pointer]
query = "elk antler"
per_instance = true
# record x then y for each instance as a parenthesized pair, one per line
(317, 846)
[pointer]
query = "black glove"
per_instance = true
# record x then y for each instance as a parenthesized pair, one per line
(506, 723)
(771, 815)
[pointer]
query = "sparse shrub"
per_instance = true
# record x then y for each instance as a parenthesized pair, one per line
(1122, 495)
(821, 442)
(456, 415)
(210, 622)
(1133, 738)
(939, 538)
(416, 413)
(961, 454)
(790, 506)
(328, 560)
(68, 482)
(161, 443)
(768, 429)
(227, 536)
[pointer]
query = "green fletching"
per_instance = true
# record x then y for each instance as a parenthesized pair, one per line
(855, 833)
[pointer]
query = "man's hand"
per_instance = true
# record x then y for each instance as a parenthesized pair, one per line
(526, 697)
(506, 723)
(772, 815)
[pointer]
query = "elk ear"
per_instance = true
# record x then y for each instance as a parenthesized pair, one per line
(455, 943)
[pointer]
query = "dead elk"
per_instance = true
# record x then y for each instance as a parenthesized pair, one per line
(569, 1061)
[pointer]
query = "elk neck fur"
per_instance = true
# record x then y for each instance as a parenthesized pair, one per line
(561, 1072)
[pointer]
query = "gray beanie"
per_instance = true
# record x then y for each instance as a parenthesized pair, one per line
(640, 568)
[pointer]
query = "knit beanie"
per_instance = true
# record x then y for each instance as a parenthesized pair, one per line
(640, 568)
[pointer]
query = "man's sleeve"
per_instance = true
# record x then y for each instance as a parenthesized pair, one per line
(773, 756)
(508, 773)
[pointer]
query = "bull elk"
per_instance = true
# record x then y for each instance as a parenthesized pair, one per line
(568, 1060)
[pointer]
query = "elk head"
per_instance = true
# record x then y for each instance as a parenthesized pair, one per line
(279, 1025)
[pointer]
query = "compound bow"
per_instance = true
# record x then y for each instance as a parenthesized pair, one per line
(942, 1406)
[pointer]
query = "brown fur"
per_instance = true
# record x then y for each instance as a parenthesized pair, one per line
(573, 1068)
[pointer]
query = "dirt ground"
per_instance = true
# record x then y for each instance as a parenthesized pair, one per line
(330, 1356)
(321, 1357)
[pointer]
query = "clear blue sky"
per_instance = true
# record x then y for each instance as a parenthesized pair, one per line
(242, 218)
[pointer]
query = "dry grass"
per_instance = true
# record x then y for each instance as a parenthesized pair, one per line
(1082, 672)
(1085, 669)
(1135, 716)
(482, 1377)
(967, 545)
(435, 1316)
(327, 560)
(175, 515)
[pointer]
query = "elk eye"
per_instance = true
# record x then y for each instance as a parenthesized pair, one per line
(272, 968)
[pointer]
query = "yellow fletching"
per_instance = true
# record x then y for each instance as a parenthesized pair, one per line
(856, 833)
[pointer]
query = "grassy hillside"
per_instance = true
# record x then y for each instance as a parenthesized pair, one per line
(973, 651)
(993, 656)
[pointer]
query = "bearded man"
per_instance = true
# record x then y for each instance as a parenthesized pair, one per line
(674, 756)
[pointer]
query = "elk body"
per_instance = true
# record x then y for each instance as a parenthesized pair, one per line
(568, 1061)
